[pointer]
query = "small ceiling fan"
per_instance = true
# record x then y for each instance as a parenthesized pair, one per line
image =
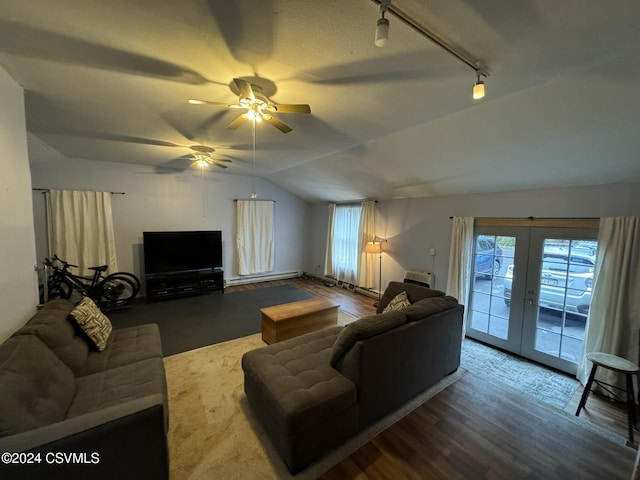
(258, 106)
(203, 158)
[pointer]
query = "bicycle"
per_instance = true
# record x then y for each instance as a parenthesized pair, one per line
(113, 291)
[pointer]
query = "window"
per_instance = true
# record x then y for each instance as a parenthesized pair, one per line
(345, 244)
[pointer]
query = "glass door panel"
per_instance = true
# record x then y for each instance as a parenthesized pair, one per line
(565, 269)
(490, 308)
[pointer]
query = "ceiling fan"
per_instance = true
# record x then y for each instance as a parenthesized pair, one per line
(203, 158)
(252, 97)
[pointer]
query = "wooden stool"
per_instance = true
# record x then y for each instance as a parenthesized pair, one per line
(617, 364)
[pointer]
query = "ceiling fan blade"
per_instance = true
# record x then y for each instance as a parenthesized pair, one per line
(218, 165)
(202, 148)
(245, 89)
(289, 108)
(240, 119)
(225, 160)
(276, 123)
(194, 101)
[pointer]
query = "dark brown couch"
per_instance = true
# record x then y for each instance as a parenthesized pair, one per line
(313, 392)
(107, 411)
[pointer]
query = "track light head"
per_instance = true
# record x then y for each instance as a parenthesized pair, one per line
(478, 88)
(382, 32)
(382, 27)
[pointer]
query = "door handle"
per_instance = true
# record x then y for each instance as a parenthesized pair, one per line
(529, 301)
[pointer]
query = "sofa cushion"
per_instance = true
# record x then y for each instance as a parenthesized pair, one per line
(295, 382)
(52, 326)
(414, 293)
(36, 387)
(118, 385)
(362, 328)
(93, 322)
(428, 306)
(398, 302)
(125, 346)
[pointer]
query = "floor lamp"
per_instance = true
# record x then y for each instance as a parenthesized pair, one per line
(376, 247)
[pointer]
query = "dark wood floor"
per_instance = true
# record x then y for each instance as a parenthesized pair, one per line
(475, 429)
(354, 303)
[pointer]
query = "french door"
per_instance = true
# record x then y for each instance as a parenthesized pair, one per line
(531, 291)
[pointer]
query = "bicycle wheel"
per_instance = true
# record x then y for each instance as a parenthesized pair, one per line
(60, 289)
(114, 291)
(129, 276)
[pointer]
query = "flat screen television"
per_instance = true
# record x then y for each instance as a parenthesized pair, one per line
(170, 252)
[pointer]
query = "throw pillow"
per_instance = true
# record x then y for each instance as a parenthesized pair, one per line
(398, 302)
(93, 323)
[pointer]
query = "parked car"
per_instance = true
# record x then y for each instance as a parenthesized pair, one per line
(565, 281)
(488, 257)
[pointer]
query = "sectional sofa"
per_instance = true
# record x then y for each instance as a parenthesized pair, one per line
(311, 393)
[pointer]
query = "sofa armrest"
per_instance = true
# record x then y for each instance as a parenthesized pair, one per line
(391, 368)
(123, 441)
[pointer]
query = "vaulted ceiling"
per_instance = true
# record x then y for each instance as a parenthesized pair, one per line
(110, 81)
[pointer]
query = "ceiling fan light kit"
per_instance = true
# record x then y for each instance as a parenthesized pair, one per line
(203, 158)
(382, 35)
(258, 106)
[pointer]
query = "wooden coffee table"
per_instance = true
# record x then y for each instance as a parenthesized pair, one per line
(292, 319)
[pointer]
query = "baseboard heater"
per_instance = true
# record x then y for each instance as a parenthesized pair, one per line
(330, 281)
(261, 278)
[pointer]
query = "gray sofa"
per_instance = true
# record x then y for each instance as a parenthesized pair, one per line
(313, 392)
(106, 411)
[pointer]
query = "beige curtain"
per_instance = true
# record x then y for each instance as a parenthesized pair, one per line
(460, 274)
(614, 315)
(328, 256)
(255, 235)
(366, 270)
(81, 229)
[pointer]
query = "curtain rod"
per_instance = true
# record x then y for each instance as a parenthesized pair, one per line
(534, 218)
(354, 203)
(252, 200)
(48, 190)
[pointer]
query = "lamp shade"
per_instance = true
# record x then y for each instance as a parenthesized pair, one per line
(373, 247)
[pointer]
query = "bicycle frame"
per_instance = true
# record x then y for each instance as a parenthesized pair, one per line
(116, 290)
(84, 285)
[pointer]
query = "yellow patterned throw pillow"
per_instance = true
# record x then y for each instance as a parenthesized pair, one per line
(93, 322)
(398, 302)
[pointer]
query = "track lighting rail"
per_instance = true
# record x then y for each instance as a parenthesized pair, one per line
(460, 54)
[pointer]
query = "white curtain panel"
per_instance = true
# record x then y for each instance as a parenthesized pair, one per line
(255, 236)
(81, 226)
(614, 315)
(344, 243)
(328, 256)
(460, 274)
(368, 261)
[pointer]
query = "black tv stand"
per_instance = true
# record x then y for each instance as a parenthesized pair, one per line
(163, 286)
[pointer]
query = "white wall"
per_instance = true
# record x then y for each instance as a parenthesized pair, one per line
(412, 226)
(174, 201)
(18, 287)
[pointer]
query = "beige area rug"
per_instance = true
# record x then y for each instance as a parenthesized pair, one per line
(212, 431)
